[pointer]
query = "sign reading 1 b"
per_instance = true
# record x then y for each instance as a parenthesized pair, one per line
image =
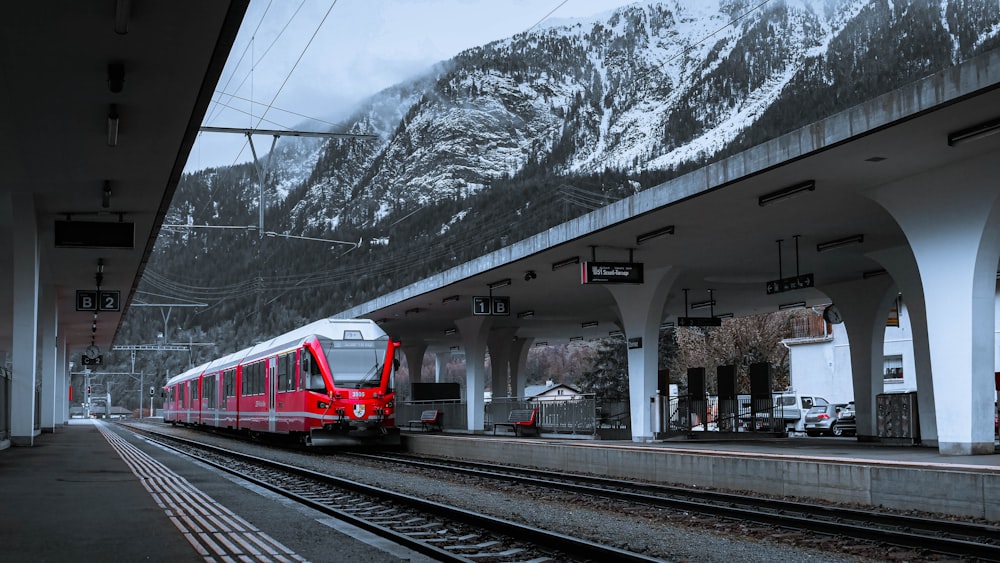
(491, 306)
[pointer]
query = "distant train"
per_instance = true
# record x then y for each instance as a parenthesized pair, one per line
(328, 383)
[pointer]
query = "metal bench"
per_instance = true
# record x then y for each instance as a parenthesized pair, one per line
(519, 419)
(429, 420)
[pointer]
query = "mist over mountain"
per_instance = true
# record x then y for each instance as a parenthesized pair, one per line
(510, 138)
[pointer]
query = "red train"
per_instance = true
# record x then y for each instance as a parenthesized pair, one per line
(330, 382)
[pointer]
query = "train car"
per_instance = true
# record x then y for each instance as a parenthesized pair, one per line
(328, 383)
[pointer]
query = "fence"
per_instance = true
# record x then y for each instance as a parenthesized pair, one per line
(453, 412)
(580, 416)
(687, 414)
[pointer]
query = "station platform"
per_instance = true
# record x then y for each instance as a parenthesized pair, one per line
(833, 469)
(91, 491)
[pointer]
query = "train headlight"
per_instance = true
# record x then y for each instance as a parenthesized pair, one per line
(390, 404)
(322, 405)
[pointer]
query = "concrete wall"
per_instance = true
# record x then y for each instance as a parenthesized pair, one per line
(956, 490)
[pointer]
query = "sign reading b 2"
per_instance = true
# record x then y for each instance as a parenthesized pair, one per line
(92, 300)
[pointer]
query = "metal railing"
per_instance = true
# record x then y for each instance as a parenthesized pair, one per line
(577, 416)
(688, 414)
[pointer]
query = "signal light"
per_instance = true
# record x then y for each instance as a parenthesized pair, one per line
(88, 389)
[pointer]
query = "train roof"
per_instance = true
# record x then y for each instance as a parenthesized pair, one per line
(329, 328)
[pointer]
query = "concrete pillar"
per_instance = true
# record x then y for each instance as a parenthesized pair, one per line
(474, 331)
(641, 311)
(48, 350)
(519, 349)
(440, 364)
(500, 343)
(901, 265)
(953, 227)
(864, 306)
(414, 354)
(63, 381)
(25, 329)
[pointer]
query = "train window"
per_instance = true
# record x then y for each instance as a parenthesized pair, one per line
(253, 379)
(229, 383)
(356, 363)
(210, 388)
(286, 372)
(311, 373)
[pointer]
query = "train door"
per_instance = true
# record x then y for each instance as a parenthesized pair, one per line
(187, 402)
(272, 385)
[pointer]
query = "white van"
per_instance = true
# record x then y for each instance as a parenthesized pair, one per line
(792, 408)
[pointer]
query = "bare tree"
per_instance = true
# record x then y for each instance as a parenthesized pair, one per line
(740, 342)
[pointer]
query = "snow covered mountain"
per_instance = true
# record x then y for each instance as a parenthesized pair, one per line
(511, 137)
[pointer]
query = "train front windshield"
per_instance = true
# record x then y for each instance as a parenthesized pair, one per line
(355, 364)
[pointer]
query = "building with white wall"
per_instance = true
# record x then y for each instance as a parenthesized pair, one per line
(820, 361)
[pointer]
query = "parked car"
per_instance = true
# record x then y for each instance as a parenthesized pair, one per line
(788, 412)
(846, 423)
(834, 420)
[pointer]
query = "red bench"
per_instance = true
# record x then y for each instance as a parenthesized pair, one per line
(519, 420)
(429, 419)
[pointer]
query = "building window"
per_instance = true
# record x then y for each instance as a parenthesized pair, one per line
(893, 369)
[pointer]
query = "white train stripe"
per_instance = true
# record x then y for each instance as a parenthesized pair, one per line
(215, 532)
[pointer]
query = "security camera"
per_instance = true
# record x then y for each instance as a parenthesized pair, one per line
(530, 275)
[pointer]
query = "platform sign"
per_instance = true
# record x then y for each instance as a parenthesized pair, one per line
(610, 272)
(483, 305)
(95, 361)
(93, 300)
(109, 301)
(804, 281)
(699, 321)
(86, 300)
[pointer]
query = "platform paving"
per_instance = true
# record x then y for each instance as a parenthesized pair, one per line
(73, 497)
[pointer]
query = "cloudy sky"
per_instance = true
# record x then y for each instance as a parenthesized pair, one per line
(298, 63)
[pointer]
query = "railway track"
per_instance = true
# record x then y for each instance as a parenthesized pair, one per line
(929, 535)
(439, 531)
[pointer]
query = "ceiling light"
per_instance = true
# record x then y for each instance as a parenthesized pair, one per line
(575, 338)
(542, 343)
(113, 120)
(796, 305)
(589, 324)
(499, 284)
(873, 274)
(123, 10)
(566, 262)
(665, 326)
(724, 316)
(616, 333)
(450, 298)
(846, 241)
(703, 304)
(414, 311)
(668, 230)
(975, 132)
(786, 193)
(116, 77)
(525, 314)
(450, 331)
